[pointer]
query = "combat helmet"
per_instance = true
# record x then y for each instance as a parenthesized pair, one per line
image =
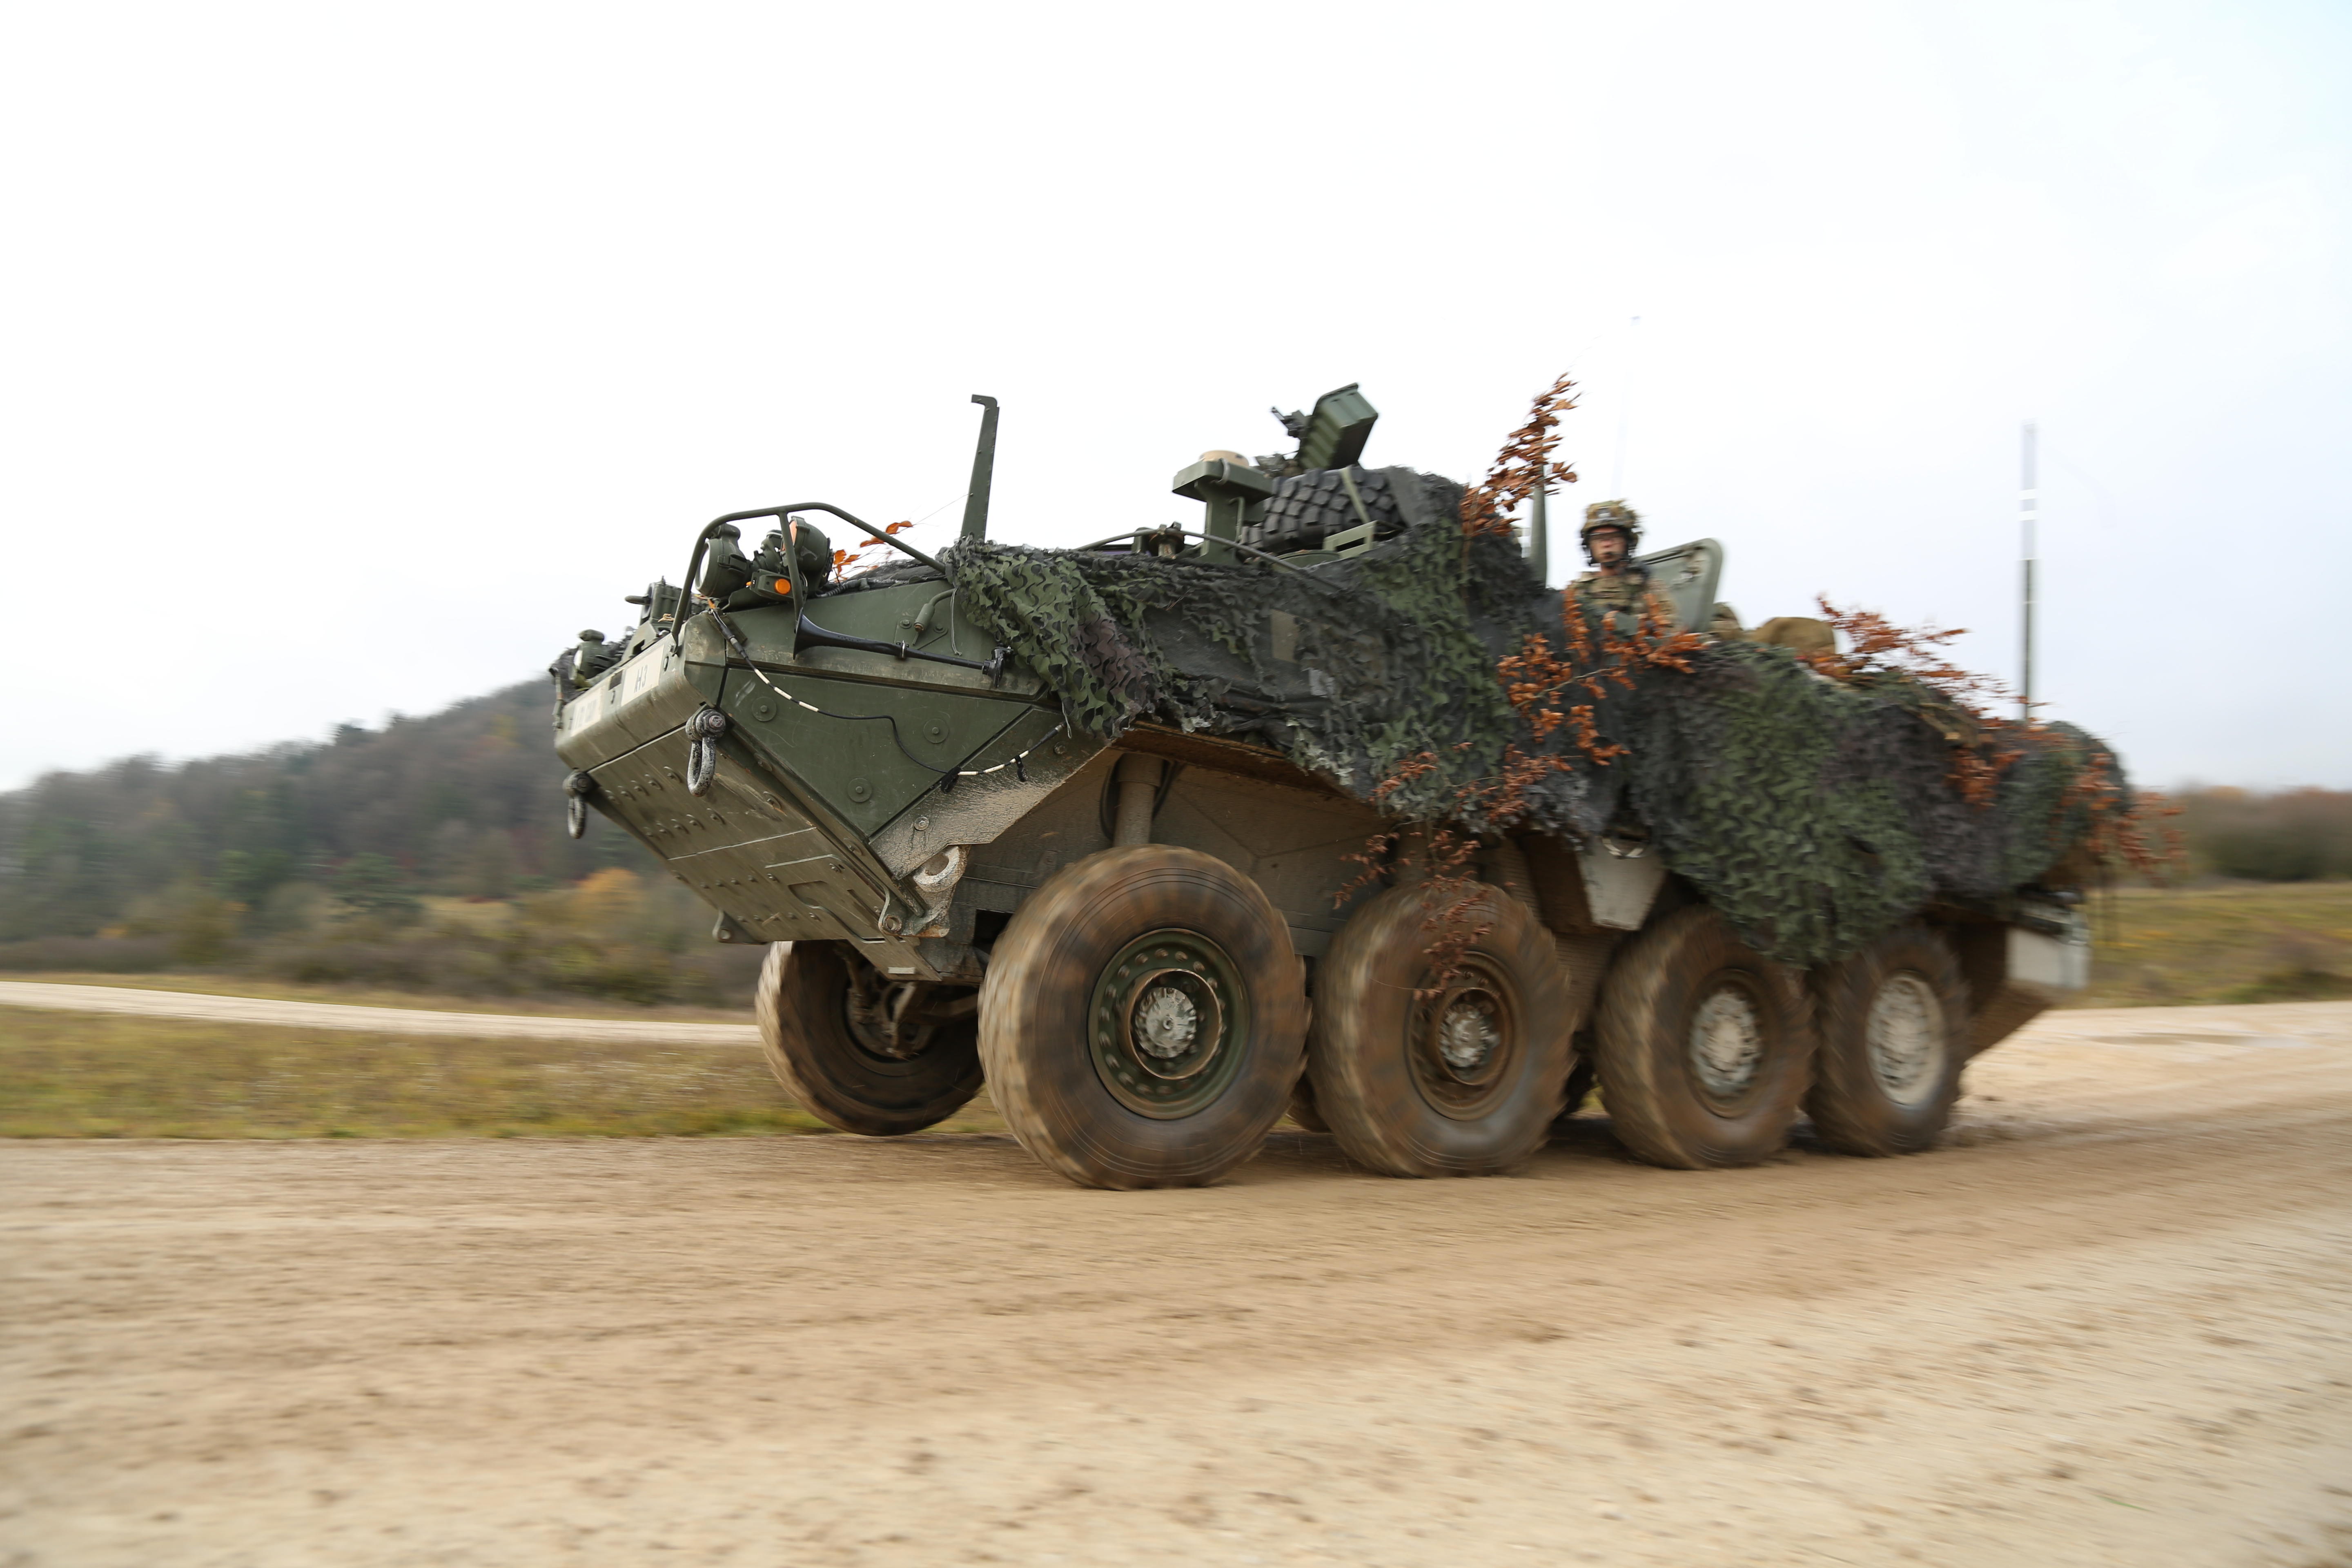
(1614, 514)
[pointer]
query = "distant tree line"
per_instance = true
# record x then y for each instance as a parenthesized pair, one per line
(464, 802)
(2290, 836)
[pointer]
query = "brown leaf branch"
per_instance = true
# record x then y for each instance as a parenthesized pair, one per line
(1524, 464)
(1538, 679)
(2134, 831)
(1984, 746)
(845, 561)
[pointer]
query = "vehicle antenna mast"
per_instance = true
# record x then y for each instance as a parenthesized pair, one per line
(983, 471)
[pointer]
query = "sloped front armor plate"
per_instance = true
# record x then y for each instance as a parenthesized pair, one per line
(744, 846)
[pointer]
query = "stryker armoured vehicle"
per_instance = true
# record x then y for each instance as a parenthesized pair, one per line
(1114, 831)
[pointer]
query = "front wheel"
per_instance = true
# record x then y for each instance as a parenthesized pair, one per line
(1423, 1074)
(1143, 1018)
(861, 1053)
(1705, 1045)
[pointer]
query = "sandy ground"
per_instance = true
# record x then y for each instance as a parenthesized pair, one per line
(204, 1006)
(2112, 1323)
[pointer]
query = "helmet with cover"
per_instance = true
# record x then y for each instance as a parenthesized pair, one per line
(1613, 514)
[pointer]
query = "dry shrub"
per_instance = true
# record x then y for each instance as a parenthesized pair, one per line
(613, 935)
(2287, 836)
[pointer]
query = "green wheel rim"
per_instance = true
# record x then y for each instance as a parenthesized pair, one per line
(1466, 1041)
(1168, 1023)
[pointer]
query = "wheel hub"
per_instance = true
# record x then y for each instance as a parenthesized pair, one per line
(1905, 1035)
(1167, 1023)
(1169, 1010)
(891, 1021)
(1464, 1043)
(1726, 1041)
(1469, 1033)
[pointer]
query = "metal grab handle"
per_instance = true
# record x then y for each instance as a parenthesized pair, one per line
(810, 632)
(578, 786)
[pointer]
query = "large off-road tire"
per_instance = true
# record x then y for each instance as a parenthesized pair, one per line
(1142, 1019)
(1463, 1082)
(831, 1055)
(1705, 1045)
(1894, 1023)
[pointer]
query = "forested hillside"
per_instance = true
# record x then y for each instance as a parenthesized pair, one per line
(429, 855)
(463, 802)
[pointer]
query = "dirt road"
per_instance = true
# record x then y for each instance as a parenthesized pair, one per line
(2111, 1324)
(369, 1020)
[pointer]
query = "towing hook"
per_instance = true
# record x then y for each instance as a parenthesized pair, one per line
(703, 730)
(577, 787)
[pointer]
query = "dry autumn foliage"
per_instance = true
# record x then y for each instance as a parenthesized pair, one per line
(2132, 831)
(2137, 830)
(1523, 466)
(1982, 744)
(844, 561)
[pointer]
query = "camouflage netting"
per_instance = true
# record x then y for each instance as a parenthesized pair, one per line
(1815, 815)
(1349, 667)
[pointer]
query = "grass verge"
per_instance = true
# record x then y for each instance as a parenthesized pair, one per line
(2265, 941)
(84, 1075)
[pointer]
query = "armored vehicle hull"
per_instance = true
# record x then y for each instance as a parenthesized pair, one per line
(1153, 934)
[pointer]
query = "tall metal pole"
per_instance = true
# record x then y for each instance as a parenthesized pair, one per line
(1540, 536)
(2028, 498)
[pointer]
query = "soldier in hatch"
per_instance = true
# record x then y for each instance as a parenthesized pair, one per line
(1616, 588)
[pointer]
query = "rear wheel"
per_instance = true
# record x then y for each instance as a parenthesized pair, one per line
(1893, 1020)
(1705, 1045)
(1143, 1019)
(1423, 1076)
(859, 1052)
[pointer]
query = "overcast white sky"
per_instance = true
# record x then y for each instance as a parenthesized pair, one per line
(352, 358)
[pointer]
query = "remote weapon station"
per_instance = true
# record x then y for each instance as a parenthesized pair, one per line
(1091, 826)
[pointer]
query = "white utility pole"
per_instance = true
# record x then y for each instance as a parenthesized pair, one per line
(2029, 499)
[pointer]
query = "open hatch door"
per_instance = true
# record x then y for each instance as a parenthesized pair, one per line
(1688, 576)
